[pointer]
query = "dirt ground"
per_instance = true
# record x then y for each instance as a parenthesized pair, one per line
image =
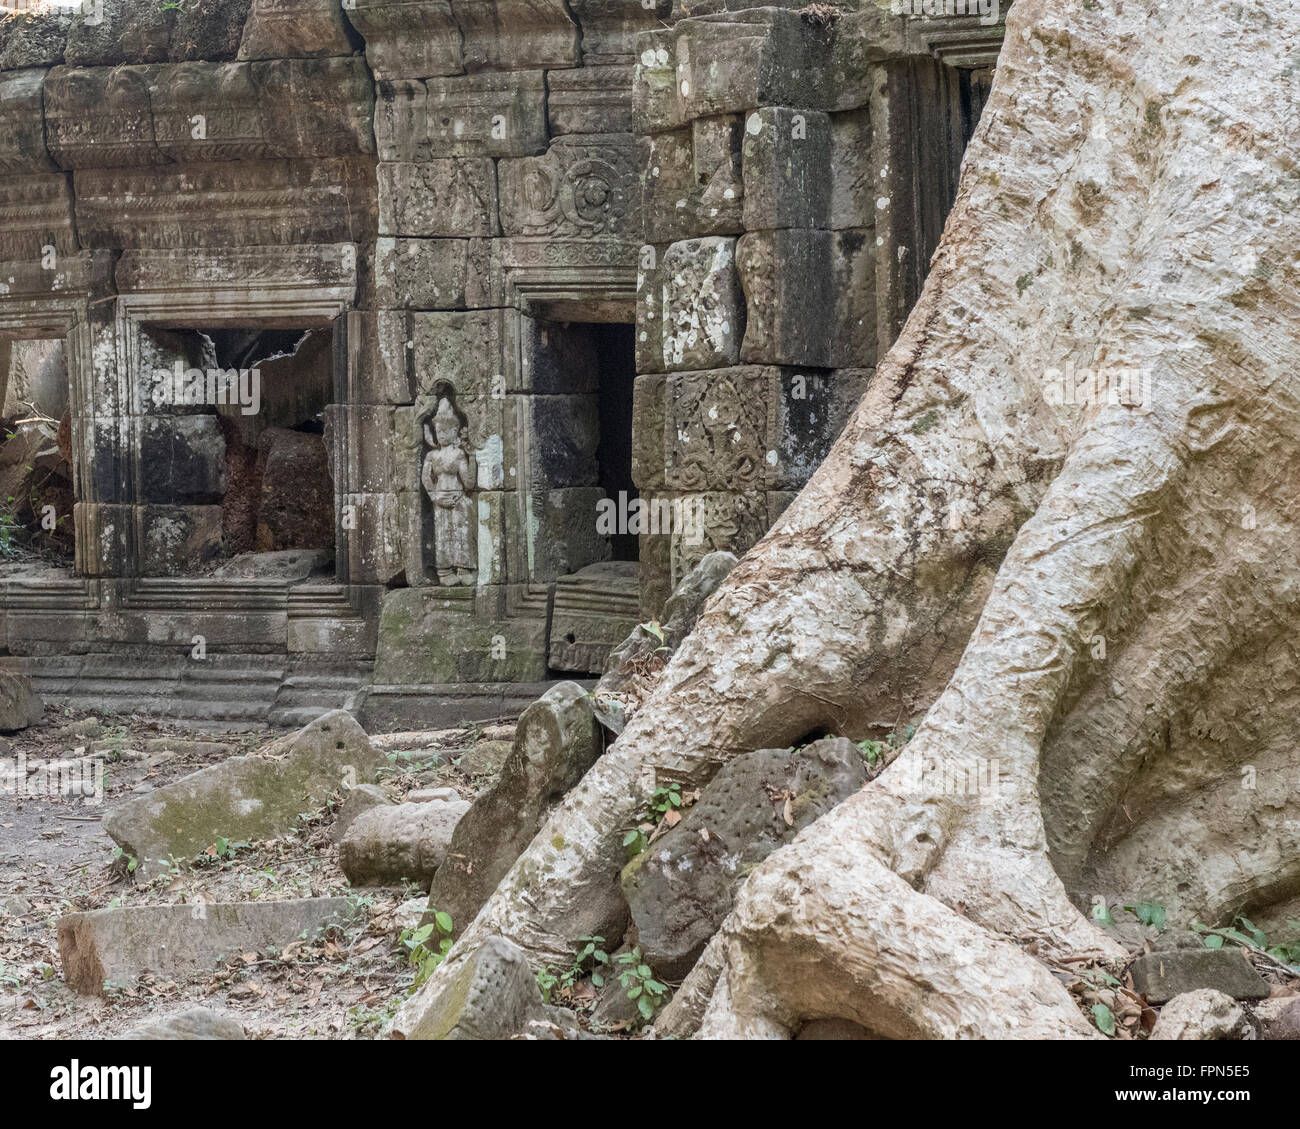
(55, 859)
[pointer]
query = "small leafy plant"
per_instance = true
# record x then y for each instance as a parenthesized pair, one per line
(1248, 935)
(663, 801)
(590, 961)
(1149, 913)
(639, 980)
(223, 850)
(871, 751)
(427, 946)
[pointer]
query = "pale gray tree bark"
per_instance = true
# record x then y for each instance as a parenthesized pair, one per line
(1095, 599)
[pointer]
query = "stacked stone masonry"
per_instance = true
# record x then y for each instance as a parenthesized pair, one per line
(561, 255)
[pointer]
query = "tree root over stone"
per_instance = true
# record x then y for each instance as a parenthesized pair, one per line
(1089, 592)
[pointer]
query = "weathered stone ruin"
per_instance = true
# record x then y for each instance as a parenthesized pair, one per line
(407, 353)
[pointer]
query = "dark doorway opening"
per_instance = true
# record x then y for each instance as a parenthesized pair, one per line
(616, 362)
(36, 460)
(232, 456)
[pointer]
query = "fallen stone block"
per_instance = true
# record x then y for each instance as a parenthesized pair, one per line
(403, 842)
(681, 887)
(19, 704)
(195, 1023)
(1161, 976)
(432, 795)
(245, 798)
(621, 688)
(361, 799)
(485, 758)
(114, 946)
(493, 996)
(1201, 1015)
(557, 740)
(207, 749)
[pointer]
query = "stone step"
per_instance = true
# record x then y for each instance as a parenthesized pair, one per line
(313, 689)
(228, 690)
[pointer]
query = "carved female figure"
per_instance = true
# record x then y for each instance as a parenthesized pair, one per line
(449, 475)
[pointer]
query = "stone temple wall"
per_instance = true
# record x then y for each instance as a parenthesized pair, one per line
(470, 193)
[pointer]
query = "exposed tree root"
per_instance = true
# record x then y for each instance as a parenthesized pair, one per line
(1090, 603)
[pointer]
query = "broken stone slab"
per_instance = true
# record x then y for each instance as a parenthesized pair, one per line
(114, 946)
(403, 842)
(1202, 1015)
(1160, 976)
(493, 996)
(178, 746)
(19, 704)
(681, 887)
(432, 795)
(556, 741)
(89, 727)
(409, 914)
(245, 798)
(484, 758)
(412, 739)
(196, 1023)
(282, 564)
(286, 29)
(361, 799)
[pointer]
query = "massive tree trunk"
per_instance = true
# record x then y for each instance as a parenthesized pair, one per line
(1089, 597)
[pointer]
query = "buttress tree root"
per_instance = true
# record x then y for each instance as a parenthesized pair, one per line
(1061, 528)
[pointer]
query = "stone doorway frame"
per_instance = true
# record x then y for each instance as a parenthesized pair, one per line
(306, 286)
(52, 303)
(592, 281)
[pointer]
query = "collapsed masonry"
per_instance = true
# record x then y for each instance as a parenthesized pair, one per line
(527, 270)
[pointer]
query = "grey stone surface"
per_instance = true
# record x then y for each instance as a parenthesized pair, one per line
(678, 617)
(360, 799)
(245, 798)
(703, 319)
(494, 996)
(680, 888)
(1201, 1015)
(114, 946)
(196, 1023)
(405, 842)
(1161, 976)
(484, 758)
(432, 795)
(556, 741)
(20, 706)
(1279, 1019)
